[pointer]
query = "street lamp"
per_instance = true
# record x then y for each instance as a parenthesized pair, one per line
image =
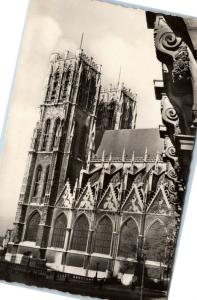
(142, 256)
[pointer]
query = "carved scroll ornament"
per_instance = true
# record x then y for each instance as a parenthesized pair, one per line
(170, 172)
(180, 78)
(169, 114)
(173, 48)
(165, 39)
(170, 150)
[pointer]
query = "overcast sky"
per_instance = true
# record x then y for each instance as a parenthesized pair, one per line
(113, 35)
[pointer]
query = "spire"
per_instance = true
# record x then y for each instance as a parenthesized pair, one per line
(133, 157)
(109, 161)
(103, 157)
(92, 136)
(75, 188)
(156, 161)
(145, 155)
(81, 42)
(119, 75)
(123, 155)
(132, 162)
(80, 178)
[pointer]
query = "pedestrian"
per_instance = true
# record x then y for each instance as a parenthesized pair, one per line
(95, 280)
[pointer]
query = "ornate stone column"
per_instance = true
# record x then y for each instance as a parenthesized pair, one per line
(179, 71)
(178, 95)
(179, 103)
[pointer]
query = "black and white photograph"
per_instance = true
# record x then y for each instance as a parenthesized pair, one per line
(98, 147)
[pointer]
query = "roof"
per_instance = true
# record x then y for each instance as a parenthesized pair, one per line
(132, 140)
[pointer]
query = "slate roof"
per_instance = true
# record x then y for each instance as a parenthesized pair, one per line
(137, 140)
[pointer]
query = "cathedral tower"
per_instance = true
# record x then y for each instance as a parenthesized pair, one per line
(116, 108)
(61, 141)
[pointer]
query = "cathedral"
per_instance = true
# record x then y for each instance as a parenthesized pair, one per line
(99, 195)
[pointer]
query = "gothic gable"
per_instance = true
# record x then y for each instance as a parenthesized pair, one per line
(160, 203)
(109, 200)
(133, 202)
(66, 199)
(86, 199)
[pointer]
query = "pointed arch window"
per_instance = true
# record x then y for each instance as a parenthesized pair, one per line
(66, 77)
(130, 115)
(155, 242)
(92, 92)
(59, 232)
(128, 239)
(37, 181)
(46, 134)
(45, 181)
(55, 84)
(83, 88)
(80, 234)
(56, 128)
(32, 227)
(103, 236)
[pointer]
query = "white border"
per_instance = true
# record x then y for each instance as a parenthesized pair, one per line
(12, 17)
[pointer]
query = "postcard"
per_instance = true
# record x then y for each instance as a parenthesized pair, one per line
(99, 142)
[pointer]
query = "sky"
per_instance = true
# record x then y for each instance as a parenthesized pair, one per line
(115, 36)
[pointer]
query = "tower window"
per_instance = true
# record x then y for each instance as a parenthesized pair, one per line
(66, 77)
(92, 92)
(59, 232)
(110, 111)
(55, 84)
(46, 135)
(80, 234)
(83, 88)
(45, 181)
(37, 181)
(103, 236)
(32, 227)
(56, 127)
